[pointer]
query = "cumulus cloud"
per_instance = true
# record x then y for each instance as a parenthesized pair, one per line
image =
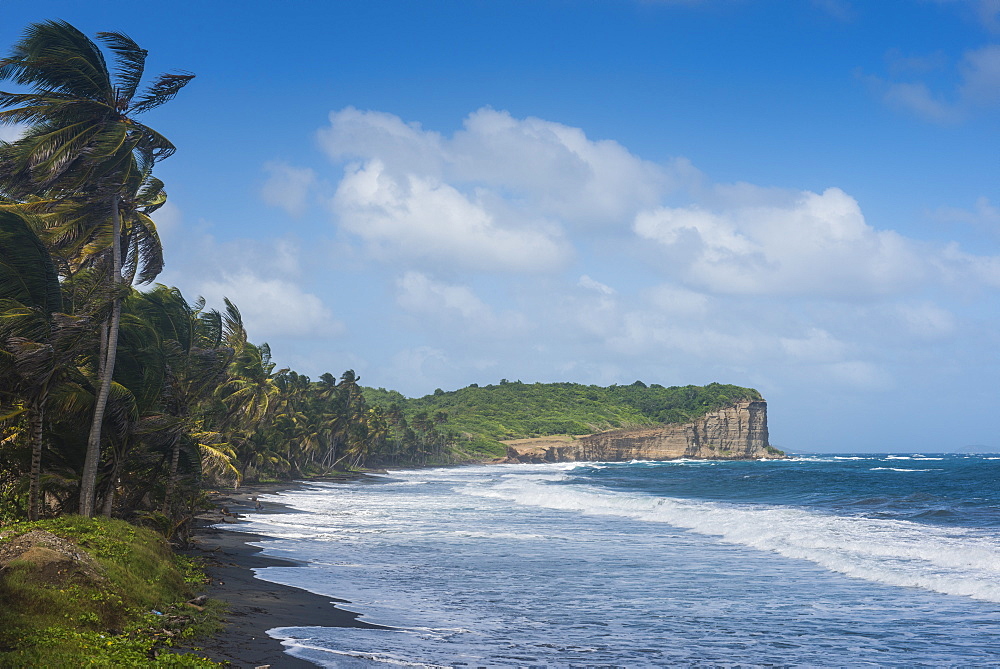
(555, 167)
(287, 187)
(508, 195)
(501, 193)
(406, 147)
(272, 306)
(440, 301)
(816, 244)
(420, 217)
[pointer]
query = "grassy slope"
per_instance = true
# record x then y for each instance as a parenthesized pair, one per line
(77, 623)
(518, 410)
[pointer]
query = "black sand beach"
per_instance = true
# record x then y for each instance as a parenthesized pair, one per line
(255, 606)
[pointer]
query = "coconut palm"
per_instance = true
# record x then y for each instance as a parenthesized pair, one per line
(83, 142)
(37, 342)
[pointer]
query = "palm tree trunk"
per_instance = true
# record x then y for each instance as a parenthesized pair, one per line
(109, 498)
(175, 458)
(88, 483)
(35, 416)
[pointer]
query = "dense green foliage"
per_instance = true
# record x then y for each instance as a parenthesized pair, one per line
(130, 403)
(515, 410)
(118, 401)
(50, 622)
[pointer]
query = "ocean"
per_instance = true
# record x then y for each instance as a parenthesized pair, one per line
(832, 560)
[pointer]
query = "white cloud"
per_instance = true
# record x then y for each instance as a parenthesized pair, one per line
(557, 168)
(981, 76)
(271, 306)
(977, 85)
(679, 302)
(962, 268)
(439, 301)
(405, 147)
(860, 375)
(986, 11)
(508, 195)
(646, 333)
(917, 98)
(287, 187)
(590, 284)
(424, 367)
(983, 213)
(816, 244)
(421, 218)
(499, 194)
(9, 133)
(168, 220)
(818, 346)
(926, 320)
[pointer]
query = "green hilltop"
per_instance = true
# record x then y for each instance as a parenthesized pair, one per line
(482, 416)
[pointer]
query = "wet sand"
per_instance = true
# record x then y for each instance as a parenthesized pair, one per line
(255, 606)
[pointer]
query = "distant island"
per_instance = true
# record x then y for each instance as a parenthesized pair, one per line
(553, 422)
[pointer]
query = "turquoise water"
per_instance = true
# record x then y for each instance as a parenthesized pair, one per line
(816, 561)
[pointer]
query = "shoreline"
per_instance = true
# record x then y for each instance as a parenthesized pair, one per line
(255, 605)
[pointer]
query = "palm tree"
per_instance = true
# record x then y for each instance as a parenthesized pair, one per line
(195, 362)
(36, 342)
(83, 141)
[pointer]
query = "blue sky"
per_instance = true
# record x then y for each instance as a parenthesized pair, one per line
(799, 196)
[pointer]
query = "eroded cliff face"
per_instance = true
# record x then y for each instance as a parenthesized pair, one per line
(738, 432)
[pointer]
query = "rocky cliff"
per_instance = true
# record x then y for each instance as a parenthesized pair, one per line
(738, 432)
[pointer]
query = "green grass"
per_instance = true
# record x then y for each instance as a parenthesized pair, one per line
(487, 415)
(47, 622)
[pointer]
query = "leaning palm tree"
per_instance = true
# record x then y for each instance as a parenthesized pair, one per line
(82, 141)
(37, 343)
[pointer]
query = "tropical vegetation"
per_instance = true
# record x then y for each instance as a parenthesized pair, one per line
(123, 398)
(125, 605)
(477, 418)
(115, 399)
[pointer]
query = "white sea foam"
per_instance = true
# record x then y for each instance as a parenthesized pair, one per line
(525, 565)
(952, 561)
(899, 469)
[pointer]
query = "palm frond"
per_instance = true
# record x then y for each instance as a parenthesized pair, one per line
(147, 248)
(27, 273)
(217, 463)
(234, 332)
(56, 56)
(131, 65)
(162, 90)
